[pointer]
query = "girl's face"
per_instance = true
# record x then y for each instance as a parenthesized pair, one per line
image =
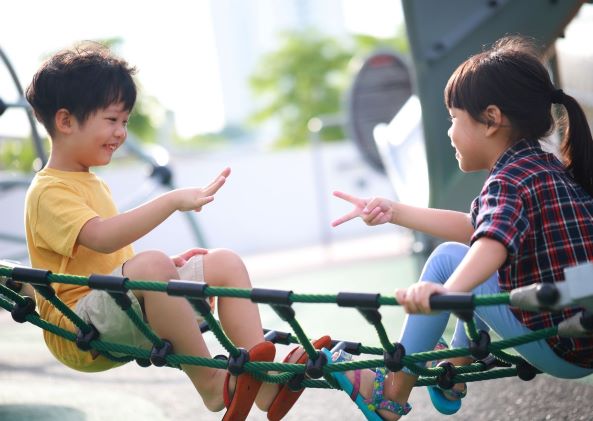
(467, 137)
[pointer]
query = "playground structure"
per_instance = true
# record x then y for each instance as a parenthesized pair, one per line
(492, 361)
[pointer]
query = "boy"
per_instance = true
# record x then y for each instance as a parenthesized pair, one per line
(84, 97)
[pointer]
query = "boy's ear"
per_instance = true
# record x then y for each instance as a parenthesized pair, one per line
(64, 121)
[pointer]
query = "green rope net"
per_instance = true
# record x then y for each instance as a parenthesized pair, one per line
(492, 361)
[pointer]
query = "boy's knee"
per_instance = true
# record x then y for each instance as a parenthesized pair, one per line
(225, 257)
(150, 265)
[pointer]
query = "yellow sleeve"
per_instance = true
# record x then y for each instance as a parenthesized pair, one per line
(60, 215)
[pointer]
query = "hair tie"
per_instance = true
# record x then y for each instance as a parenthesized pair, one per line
(557, 96)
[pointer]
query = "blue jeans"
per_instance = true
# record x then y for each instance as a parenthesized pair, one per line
(421, 332)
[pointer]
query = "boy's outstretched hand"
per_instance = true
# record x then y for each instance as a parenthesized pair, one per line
(373, 211)
(193, 198)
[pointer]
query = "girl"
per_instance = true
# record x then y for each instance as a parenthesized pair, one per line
(532, 218)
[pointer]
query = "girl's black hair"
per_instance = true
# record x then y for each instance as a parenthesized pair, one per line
(511, 76)
(82, 80)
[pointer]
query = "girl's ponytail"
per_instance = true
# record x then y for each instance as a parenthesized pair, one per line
(577, 142)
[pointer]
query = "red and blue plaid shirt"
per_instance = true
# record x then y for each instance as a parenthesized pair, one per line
(532, 205)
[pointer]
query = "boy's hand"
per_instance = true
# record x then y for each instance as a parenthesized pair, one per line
(373, 211)
(182, 258)
(193, 198)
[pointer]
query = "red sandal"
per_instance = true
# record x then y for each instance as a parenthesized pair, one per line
(247, 386)
(286, 397)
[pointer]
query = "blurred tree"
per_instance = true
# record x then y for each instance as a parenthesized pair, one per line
(306, 77)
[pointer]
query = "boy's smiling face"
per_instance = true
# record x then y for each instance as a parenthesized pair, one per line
(96, 139)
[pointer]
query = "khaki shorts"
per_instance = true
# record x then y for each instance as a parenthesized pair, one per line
(113, 324)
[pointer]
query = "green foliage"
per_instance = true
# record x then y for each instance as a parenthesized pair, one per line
(306, 77)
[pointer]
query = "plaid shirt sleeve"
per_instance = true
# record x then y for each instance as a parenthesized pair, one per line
(501, 215)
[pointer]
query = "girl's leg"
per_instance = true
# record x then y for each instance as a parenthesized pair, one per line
(538, 353)
(173, 318)
(420, 332)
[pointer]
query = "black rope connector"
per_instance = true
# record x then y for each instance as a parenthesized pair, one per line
(158, 356)
(296, 382)
(278, 337)
(201, 305)
(479, 349)
(236, 364)
(83, 340)
(30, 275)
(371, 315)
(314, 367)
(445, 379)
(460, 303)
(350, 347)
(271, 296)
(20, 311)
(357, 299)
(143, 362)
(587, 321)
(13, 285)
(393, 360)
(122, 300)
(285, 312)
(526, 371)
(108, 283)
(178, 288)
(547, 294)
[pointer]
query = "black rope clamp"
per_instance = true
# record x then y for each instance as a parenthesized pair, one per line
(277, 337)
(314, 368)
(143, 362)
(122, 300)
(271, 296)
(20, 311)
(158, 356)
(296, 382)
(445, 379)
(108, 283)
(201, 305)
(14, 285)
(83, 340)
(393, 360)
(479, 349)
(526, 371)
(187, 289)
(30, 275)
(285, 312)
(352, 348)
(236, 364)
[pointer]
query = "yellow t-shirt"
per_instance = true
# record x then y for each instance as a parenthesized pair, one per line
(57, 205)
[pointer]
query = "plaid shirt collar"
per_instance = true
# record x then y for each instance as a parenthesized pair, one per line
(522, 147)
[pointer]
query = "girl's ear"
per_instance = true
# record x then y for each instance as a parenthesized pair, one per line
(64, 121)
(494, 119)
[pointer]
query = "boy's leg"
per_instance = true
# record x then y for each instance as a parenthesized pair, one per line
(239, 317)
(173, 318)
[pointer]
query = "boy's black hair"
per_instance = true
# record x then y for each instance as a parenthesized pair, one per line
(82, 80)
(511, 76)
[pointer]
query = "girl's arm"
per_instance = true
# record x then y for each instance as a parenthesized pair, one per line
(483, 259)
(445, 224)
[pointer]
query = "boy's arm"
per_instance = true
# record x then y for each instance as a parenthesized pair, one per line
(110, 234)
